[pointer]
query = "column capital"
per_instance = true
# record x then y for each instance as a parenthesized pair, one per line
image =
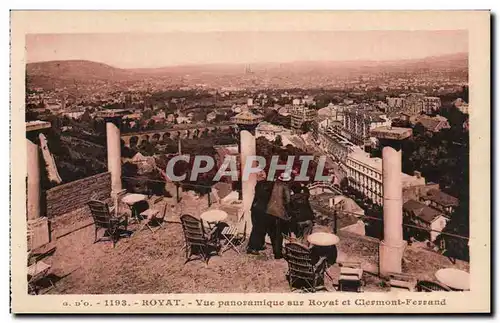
(391, 136)
(112, 115)
(33, 128)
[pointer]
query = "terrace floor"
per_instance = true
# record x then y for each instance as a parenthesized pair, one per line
(154, 263)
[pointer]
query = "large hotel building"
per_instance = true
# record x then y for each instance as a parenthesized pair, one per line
(364, 174)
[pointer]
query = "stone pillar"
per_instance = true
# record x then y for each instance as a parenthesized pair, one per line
(393, 245)
(114, 155)
(247, 146)
(33, 181)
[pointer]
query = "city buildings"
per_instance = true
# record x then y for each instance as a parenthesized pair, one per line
(394, 104)
(431, 124)
(301, 114)
(425, 217)
(358, 122)
(431, 104)
(269, 131)
(413, 104)
(461, 105)
(334, 144)
(441, 201)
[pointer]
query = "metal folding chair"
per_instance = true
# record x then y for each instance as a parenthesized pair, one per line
(234, 237)
(154, 214)
(37, 272)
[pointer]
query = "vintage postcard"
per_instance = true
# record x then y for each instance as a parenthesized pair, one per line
(250, 162)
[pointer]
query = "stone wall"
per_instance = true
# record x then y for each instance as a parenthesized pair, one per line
(74, 195)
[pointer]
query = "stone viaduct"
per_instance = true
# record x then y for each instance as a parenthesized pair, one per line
(190, 131)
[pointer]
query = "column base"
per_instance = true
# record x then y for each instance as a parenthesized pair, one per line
(40, 233)
(391, 256)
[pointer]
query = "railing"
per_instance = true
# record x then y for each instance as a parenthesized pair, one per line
(149, 191)
(325, 209)
(336, 212)
(324, 185)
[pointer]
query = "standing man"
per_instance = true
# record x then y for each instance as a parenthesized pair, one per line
(302, 215)
(278, 219)
(263, 188)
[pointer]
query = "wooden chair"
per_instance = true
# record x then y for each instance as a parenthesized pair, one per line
(103, 219)
(351, 277)
(303, 269)
(288, 239)
(402, 282)
(235, 236)
(431, 286)
(197, 241)
(155, 215)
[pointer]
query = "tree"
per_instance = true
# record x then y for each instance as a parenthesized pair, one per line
(455, 246)
(418, 130)
(147, 114)
(306, 126)
(151, 124)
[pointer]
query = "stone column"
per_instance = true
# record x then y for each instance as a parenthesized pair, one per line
(393, 195)
(37, 222)
(247, 148)
(114, 154)
(392, 248)
(33, 181)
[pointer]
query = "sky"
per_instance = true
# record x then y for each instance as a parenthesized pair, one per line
(135, 50)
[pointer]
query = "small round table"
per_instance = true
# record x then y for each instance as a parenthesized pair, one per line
(324, 245)
(213, 217)
(454, 278)
(131, 200)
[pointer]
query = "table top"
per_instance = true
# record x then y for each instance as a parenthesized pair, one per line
(131, 199)
(213, 216)
(323, 239)
(454, 278)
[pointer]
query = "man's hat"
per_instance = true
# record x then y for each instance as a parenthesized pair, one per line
(285, 177)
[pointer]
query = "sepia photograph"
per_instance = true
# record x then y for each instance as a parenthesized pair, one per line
(329, 169)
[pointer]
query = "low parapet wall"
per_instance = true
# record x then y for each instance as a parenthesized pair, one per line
(68, 197)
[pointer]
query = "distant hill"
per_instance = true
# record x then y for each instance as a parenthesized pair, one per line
(54, 72)
(78, 69)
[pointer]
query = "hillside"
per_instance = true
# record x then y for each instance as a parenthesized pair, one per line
(76, 69)
(55, 73)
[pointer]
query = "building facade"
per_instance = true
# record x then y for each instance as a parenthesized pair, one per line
(358, 123)
(301, 114)
(429, 219)
(441, 201)
(334, 145)
(365, 175)
(414, 103)
(269, 131)
(395, 104)
(431, 104)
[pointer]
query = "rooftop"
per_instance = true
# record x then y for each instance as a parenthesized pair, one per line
(441, 197)
(361, 156)
(154, 262)
(421, 210)
(391, 133)
(247, 117)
